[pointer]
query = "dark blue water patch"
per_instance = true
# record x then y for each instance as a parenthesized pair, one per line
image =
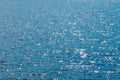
(59, 40)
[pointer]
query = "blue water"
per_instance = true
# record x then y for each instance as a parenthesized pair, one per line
(59, 40)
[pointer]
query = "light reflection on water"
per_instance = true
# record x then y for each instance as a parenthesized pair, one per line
(59, 40)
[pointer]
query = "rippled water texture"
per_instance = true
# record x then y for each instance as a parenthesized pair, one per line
(59, 39)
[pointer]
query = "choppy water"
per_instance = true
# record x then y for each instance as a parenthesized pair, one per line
(59, 40)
